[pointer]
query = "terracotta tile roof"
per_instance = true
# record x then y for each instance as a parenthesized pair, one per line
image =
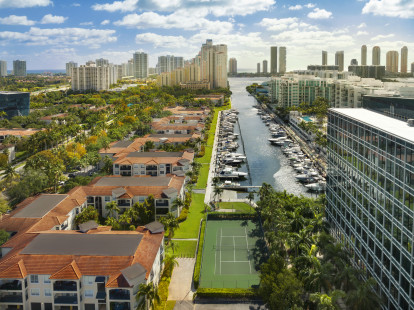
(70, 271)
(151, 158)
(182, 110)
(119, 147)
(50, 117)
(16, 270)
(19, 131)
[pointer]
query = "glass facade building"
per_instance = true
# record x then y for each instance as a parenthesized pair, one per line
(370, 197)
(15, 103)
(397, 107)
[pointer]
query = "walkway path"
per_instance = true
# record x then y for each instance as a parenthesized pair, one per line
(181, 280)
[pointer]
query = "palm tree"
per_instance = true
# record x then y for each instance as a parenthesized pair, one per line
(171, 223)
(170, 261)
(147, 295)
(178, 203)
(9, 173)
(364, 297)
(217, 191)
(327, 301)
(112, 208)
(250, 197)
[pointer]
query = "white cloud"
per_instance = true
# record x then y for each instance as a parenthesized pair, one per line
(161, 41)
(310, 5)
(105, 22)
(217, 8)
(295, 7)
(60, 36)
(76, 4)
(186, 20)
(53, 19)
(391, 8)
(16, 20)
(362, 33)
(86, 24)
(362, 25)
(320, 14)
(23, 3)
(382, 36)
(274, 24)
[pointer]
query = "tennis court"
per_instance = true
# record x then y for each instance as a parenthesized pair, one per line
(231, 248)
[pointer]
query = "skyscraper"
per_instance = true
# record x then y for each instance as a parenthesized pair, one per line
(392, 61)
(233, 66)
(404, 59)
(19, 67)
(324, 58)
(140, 65)
(370, 195)
(282, 59)
(412, 68)
(273, 59)
(3, 68)
(265, 66)
(258, 68)
(169, 63)
(376, 56)
(339, 60)
(69, 66)
(363, 55)
(101, 62)
(213, 64)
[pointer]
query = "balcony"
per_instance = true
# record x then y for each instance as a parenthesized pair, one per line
(100, 295)
(11, 298)
(120, 306)
(69, 286)
(14, 285)
(119, 294)
(66, 299)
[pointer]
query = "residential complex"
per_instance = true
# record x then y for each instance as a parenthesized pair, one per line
(233, 66)
(19, 68)
(15, 103)
(93, 77)
(101, 62)
(273, 59)
(363, 55)
(69, 66)
(265, 66)
(169, 63)
(370, 195)
(392, 62)
(3, 68)
(282, 60)
(376, 72)
(258, 68)
(140, 65)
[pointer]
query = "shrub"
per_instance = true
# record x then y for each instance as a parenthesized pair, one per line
(163, 287)
(183, 215)
(202, 151)
(227, 293)
(197, 268)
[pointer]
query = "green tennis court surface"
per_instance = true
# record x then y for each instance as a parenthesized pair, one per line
(231, 249)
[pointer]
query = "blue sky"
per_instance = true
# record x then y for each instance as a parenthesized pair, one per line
(47, 33)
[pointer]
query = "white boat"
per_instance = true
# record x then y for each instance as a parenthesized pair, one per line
(306, 178)
(230, 173)
(319, 186)
(229, 184)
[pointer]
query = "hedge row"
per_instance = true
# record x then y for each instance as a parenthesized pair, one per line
(231, 216)
(227, 293)
(183, 215)
(163, 287)
(197, 268)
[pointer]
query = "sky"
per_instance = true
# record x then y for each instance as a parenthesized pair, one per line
(49, 33)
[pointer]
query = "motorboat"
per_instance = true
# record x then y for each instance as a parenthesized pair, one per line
(319, 186)
(229, 172)
(229, 184)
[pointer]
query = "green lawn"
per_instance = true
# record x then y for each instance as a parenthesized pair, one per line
(202, 177)
(239, 206)
(189, 228)
(184, 248)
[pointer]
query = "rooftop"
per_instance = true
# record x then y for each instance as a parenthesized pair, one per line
(155, 154)
(133, 181)
(40, 206)
(84, 244)
(381, 122)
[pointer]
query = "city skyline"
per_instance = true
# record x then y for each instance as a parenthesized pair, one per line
(47, 35)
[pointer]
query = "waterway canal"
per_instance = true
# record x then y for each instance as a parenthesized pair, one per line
(267, 164)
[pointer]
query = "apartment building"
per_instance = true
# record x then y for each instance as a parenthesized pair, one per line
(127, 191)
(90, 76)
(3, 68)
(69, 66)
(91, 270)
(115, 149)
(152, 163)
(19, 68)
(370, 196)
(163, 126)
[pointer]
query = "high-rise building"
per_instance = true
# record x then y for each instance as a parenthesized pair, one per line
(282, 59)
(412, 68)
(376, 72)
(15, 103)
(273, 59)
(324, 58)
(339, 60)
(19, 68)
(69, 66)
(363, 55)
(265, 66)
(233, 66)
(392, 61)
(3, 68)
(376, 56)
(101, 62)
(140, 65)
(169, 63)
(370, 195)
(404, 59)
(354, 62)
(86, 77)
(258, 68)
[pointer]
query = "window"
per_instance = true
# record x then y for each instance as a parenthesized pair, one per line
(107, 198)
(34, 278)
(89, 280)
(35, 292)
(88, 293)
(46, 279)
(48, 292)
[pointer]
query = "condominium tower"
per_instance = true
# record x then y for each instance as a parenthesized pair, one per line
(324, 58)
(339, 60)
(363, 55)
(258, 68)
(404, 59)
(3, 68)
(273, 59)
(412, 68)
(19, 68)
(140, 65)
(376, 56)
(213, 64)
(392, 61)
(69, 66)
(101, 62)
(370, 196)
(265, 66)
(233, 66)
(86, 77)
(169, 63)
(282, 60)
